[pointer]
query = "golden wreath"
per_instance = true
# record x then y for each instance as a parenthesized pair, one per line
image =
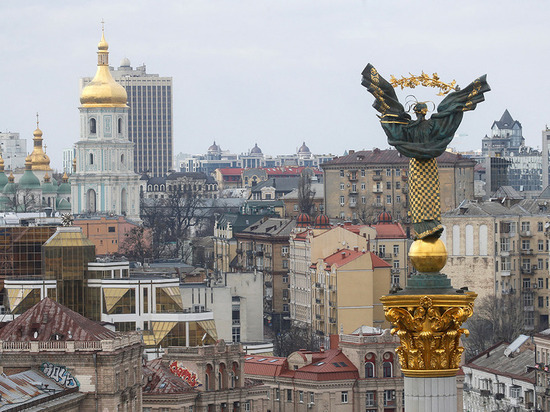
(426, 81)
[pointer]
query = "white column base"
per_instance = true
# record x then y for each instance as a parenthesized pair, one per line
(430, 394)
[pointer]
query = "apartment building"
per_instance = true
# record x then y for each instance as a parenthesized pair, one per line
(497, 249)
(360, 185)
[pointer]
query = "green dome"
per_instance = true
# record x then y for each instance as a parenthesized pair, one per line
(29, 181)
(47, 188)
(9, 188)
(64, 188)
(63, 205)
(3, 180)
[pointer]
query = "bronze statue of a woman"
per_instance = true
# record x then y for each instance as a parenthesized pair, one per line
(422, 140)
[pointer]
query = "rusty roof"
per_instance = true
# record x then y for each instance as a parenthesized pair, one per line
(49, 320)
(390, 157)
(159, 380)
(389, 231)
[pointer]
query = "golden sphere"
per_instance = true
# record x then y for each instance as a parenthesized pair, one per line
(428, 255)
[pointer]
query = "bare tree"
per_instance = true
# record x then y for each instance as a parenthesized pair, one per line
(293, 339)
(23, 200)
(306, 195)
(495, 319)
(137, 244)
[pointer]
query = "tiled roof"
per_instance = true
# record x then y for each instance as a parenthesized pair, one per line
(231, 171)
(281, 184)
(378, 262)
(341, 257)
(328, 365)
(49, 318)
(159, 379)
(386, 157)
(390, 231)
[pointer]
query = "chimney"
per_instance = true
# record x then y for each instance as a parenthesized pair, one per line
(322, 348)
(351, 151)
(356, 248)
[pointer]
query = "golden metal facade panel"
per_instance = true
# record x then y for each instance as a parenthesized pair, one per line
(429, 328)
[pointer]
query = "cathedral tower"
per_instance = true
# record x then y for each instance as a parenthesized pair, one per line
(104, 180)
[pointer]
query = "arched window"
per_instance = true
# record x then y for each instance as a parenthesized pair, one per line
(123, 202)
(370, 365)
(91, 201)
(119, 125)
(122, 158)
(387, 365)
(92, 126)
(208, 384)
(222, 377)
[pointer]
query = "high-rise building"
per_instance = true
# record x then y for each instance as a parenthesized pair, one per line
(149, 116)
(14, 150)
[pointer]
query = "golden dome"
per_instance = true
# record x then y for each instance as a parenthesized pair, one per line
(38, 159)
(11, 178)
(103, 90)
(1, 163)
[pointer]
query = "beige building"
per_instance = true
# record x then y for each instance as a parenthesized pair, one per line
(347, 287)
(363, 183)
(496, 249)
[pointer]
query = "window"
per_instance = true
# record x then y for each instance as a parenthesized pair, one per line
(119, 125)
(342, 186)
(371, 398)
(285, 307)
(363, 174)
(388, 199)
(311, 398)
(277, 394)
(396, 250)
(398, 172)
(296, 208)
(285, 264)
(236, 334)
(342, 200)
(541, 301)
(285, 294)
(540, 227)
(388, 172)
(525, 244)
(111, 229)
(363, 186)
(247, 406)
(301, 396)
(505, 264)
(341, 172)
(91, 158)
(515, 391)
(389, 397)
(344, 396)
(284, 250)
(387, 370)
(388, 185)
(369, 370)
(540, 264)
(363, 200)
(289, 392)
(398, 185)
(540, 283)
(525, 226)
(92, 126)
(398, 199)
(285, 278)
(541, 245)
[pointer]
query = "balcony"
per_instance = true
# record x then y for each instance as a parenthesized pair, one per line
(527, 252)
(377, 178)
(405, 189)
(385, 256)
(528, 271)
(395, 271)
(353, 191)
(378, 205)
(505, 273)
(352, 204)
(332, 320)
(499, 396)
(504, 253)
(318, 317)
(509, 291)
(528, 308)
(485, 392)
(376, 189)
(319, 301)
(332, 304)
(525, 233)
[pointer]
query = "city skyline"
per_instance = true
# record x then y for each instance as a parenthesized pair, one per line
(275, 74)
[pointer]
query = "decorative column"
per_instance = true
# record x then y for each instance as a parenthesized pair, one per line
(427, 316)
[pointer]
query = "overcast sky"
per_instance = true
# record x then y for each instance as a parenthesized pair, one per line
(275, 72)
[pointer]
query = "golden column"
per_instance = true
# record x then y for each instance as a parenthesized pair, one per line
(428, 314)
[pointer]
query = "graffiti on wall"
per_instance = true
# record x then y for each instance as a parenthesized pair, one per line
(60, 374)
(177, 368)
